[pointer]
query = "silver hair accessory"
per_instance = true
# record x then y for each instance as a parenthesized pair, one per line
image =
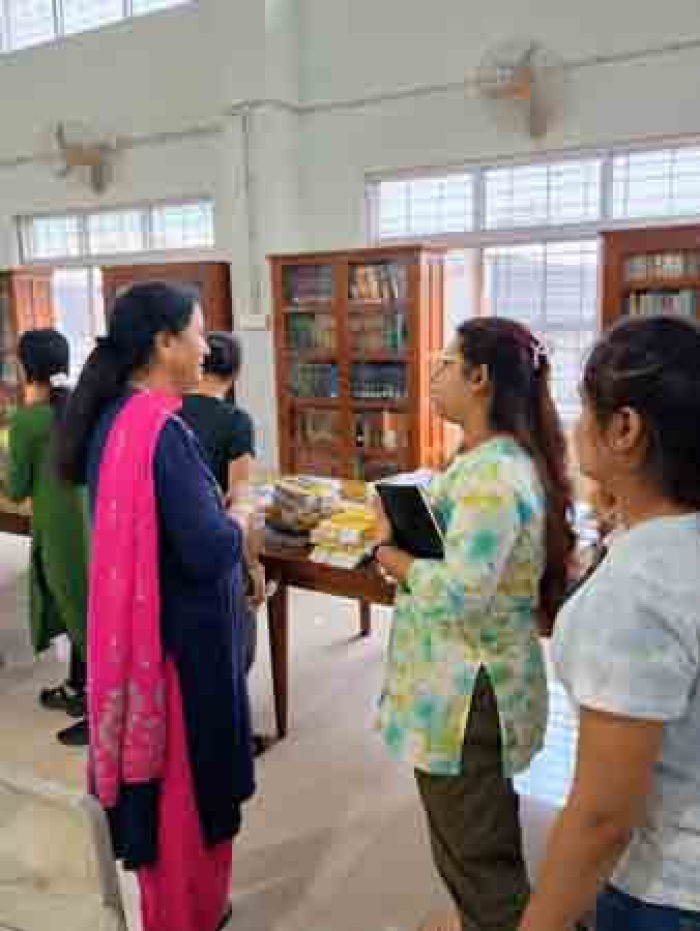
(60, 380)
(540, 354)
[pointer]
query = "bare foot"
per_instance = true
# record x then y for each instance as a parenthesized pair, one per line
(447, 920)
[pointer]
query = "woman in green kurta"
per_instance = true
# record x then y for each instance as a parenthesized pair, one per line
(58, 578)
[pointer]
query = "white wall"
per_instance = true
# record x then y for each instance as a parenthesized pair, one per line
(443, 41)
(188, 67)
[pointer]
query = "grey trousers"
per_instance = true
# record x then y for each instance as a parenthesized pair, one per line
(474, 825)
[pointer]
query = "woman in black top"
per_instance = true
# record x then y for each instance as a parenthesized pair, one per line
(227, 437)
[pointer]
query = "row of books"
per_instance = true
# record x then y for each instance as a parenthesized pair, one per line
(386, 430)
(311, 331)
(647, 303)
(373, 332)
(382, 281)
(662, 265)
(314, 380)
(374, 381)
(304, 283)
(316, 426)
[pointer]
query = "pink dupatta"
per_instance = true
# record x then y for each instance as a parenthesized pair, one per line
(126, 703)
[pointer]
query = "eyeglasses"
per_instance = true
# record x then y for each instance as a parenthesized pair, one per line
(441, 361)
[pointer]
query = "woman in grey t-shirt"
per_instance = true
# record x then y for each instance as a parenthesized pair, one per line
(627, 648)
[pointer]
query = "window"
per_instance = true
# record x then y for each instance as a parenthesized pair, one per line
(552, 288)
(426, 206)
(81, 15)
(77, 296)
(32, 22)
(150, 6)
(662, 183)
(165, 227)
(52, 237)
(110, 233)
(182, 226)
(542, 195)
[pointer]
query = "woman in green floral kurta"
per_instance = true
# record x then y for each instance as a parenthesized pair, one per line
(58, 574)
(465, 696)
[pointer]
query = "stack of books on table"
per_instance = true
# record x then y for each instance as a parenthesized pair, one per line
(298, 504)
(344, 538)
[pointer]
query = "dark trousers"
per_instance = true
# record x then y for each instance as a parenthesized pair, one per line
(474, 824)
(77, 672)
(616, 911)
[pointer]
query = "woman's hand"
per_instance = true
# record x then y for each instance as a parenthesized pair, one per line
(256, 597)
(383, 532)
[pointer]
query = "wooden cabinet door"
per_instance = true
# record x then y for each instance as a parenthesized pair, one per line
(211, 281)
(31, 299)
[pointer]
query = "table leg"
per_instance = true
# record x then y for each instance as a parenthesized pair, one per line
(278, 621)
(365, 618)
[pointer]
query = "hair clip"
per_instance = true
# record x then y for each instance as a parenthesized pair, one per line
(540, 354)
(60, 380)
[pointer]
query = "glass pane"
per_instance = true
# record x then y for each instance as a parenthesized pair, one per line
(308, 284)
(72, 304)
(315, 427)
(313, 380)
(150, 6)
(542, 195)
(378, 331)
(182, 226)
(114, 232)
(425, 206)
(381, 430)
(665, 182)
(378, 381)
(51, 238)
(378, 282)
(31, 22)
(552, 288)
(80, 15)
(309, 331)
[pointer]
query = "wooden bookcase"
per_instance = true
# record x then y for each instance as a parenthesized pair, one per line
(354, 334)
(26, 303)
(649, 271)
(211, 280)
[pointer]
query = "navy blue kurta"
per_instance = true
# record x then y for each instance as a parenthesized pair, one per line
(203, 633)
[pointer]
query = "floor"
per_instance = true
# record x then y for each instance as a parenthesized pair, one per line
(334, 839)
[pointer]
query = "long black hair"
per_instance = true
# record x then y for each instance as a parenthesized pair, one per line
(45, 357)
(652, 365)
(138, 317)
(522, 406)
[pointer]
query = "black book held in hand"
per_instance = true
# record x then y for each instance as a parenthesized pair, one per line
(416, 531)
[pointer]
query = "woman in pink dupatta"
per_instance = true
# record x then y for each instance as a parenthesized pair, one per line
(170, 739)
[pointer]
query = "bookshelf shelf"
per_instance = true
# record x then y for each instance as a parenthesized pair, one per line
(314, 402)
(647, 271)
(380, 356)
(359, 402)
(662, 284)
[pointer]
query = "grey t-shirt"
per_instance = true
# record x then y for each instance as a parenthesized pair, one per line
(628, 643)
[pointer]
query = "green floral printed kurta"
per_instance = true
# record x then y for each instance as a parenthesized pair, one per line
(58, 578)
(477, 607)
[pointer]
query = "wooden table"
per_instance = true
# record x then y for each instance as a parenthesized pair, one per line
(290, 568)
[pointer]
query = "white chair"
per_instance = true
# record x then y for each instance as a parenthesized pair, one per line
(57, 872)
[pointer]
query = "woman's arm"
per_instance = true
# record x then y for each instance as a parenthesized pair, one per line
(484, 523)
(614, 771)
(19, 481)
(207, 541)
